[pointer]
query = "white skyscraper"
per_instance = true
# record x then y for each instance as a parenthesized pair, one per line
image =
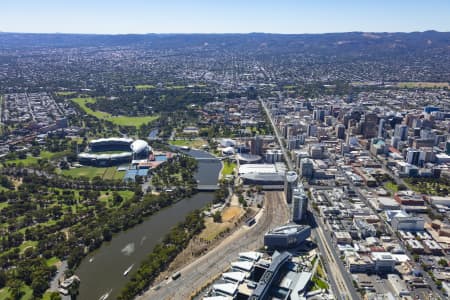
(299, 204)
(289, 184)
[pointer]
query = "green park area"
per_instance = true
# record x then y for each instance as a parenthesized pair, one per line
(118, 120)
(91, 172)
(391, 186)
(144, 87)
(228, 168)
(429, 186)
(33, 160)
(422, 84)
(193, 143)
(25, 290)
(65, 93)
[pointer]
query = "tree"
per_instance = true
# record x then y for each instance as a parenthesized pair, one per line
(443, 262)
(217, 217)
(15, 286)
(39, 286)
(73, 289)
(55, 296)
(3, 279)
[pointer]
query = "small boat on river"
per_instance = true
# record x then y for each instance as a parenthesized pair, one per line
(128, 270)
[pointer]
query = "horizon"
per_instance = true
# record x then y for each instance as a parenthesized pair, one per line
(115, 17)
(223, 33)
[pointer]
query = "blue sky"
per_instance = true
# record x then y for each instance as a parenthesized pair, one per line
(226, 16)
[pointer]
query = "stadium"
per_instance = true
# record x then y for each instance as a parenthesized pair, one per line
(114, 151)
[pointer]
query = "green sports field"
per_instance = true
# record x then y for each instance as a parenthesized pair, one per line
(119, 120)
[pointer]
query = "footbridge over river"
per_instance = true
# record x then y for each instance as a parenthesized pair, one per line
(207, 188)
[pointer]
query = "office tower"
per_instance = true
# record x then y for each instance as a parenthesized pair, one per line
(290, 182)
(306, 168)
(381, 128)
(401, 131)
(300, 204)
(340, 131)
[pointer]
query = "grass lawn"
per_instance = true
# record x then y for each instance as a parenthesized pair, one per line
(107, 198)
(212, 229)
(422, 84)
(318, 283)
(175, 87)
(195, 143)
(231, 213)
(52, 261)
(27, 244)
(91, 172)
(65, 93)
(228, 168)
(435, 187)
(31, 160)
(119, 120)
(26, 290)
(144, 87)
(46, 296)
(3, 205)
(391, 186)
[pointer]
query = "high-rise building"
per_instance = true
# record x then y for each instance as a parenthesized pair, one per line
(290, 183)
(300, 204)
(447, 147)
(412, 157)
(401, 131)
(395, 142)
(381, 128)
(340, 131)
(256, 145)
(319, 115)
(369, 125)
(306, 168)
(311, 130)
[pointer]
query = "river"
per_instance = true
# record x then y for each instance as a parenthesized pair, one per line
(102, 271)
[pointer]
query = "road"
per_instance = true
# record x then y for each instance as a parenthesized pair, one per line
(278, 136)
(199, 272)
(340, 280)
(416, 265)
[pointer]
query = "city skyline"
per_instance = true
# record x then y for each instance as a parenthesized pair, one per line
(288, 17)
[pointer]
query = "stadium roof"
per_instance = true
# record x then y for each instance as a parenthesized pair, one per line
(104, 156)
(139, 146)
(112, 139)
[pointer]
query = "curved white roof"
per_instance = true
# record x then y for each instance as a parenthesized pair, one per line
(291, 176)
(228, 150)
(112, 140)
(139, 146)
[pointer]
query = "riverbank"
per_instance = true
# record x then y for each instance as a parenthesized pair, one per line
(162, 255)
(209, 238)
(132, 246)
(201, 270)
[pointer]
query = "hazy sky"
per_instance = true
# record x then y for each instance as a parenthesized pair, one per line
(234, 16)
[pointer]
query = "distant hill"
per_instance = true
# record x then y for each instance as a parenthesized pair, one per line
(351, 43)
